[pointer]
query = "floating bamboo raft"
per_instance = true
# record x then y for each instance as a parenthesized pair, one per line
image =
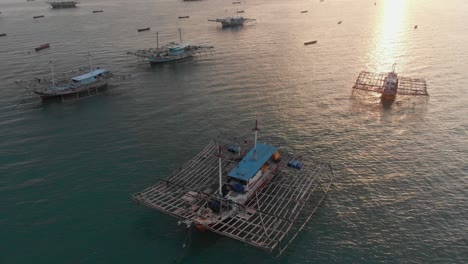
(270, 220)
(374, 82)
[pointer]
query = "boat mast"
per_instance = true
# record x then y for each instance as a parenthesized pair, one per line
(180, 35)
(89, 59)
(52, 72)
(220, 173)
(157, 40)
(393, 67)
(255, 145)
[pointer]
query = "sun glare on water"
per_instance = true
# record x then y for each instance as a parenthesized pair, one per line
(390, 35)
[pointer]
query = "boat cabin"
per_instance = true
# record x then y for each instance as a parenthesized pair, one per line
(246, 176)
(89, 77)
(178, 49)
(390, 84)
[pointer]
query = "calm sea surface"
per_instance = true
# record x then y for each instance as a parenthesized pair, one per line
(67, 170)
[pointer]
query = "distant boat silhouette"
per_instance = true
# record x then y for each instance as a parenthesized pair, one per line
(143, 29)
(310, 42)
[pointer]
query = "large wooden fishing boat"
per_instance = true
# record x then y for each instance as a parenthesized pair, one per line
(250, 191)
(389, 85)
(72, 85)
(171, 52)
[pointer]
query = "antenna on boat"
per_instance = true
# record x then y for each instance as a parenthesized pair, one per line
(393, 67)
(157, 40)
(52, 72)
(180, 35)
(255, 144)
(220, 173)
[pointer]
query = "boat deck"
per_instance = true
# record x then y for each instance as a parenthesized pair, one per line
(270, 220)
(374, 82)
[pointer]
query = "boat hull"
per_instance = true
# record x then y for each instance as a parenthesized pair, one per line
(387, 99)
(63, 4)
(163, 59)
(232, 24)
(69, 95)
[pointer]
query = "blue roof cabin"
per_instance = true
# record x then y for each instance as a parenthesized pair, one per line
(89, 77)
(249, 166)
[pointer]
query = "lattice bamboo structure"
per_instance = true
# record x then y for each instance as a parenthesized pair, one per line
(374, 82)
(270, 220)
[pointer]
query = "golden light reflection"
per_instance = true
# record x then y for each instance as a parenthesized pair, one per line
(390, 35)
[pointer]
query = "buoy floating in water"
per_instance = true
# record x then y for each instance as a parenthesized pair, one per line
(416, 27)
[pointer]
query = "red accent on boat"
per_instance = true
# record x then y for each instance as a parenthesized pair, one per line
(200, 227)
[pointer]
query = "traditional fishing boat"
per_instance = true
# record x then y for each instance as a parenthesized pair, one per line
(63, 4)
(232, 21)
(171, 52)
(389, 85)
(250, 191)
(72, 85)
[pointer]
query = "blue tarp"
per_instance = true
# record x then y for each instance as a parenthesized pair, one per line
(89, 75)
(248, 166)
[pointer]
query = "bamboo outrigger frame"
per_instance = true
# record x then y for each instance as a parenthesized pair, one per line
(270, 220)
(374, 82)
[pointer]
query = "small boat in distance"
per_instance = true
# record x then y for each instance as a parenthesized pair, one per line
(240, 11)
(3, 34)
(43, 46)
(143, 29)
(63, 4)
(416, 27)
(232, 21)
(38, 16)
(310, 42)
(184, 17)
(236, 2)
(98, 11)
(304, 11)
(339, 22)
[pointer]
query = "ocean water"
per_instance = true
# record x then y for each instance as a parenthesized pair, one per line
(67, 170)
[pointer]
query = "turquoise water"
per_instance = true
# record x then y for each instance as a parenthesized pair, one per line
(67, 170)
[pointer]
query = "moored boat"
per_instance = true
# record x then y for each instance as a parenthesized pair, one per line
(245, 190)
(171, 52)
(143, 29)
(389, 85)
(310, 42)
(232, 21)
(72, 85)
(63, 4)
(43, 46)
